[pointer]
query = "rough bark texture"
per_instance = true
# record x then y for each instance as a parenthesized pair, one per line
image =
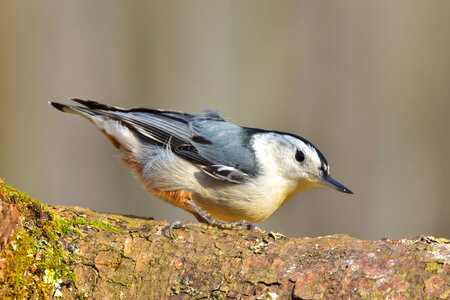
(50, 251)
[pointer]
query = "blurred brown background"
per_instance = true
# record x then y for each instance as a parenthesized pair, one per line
(367, 82)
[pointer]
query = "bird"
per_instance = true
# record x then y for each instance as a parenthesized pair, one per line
(228, 176)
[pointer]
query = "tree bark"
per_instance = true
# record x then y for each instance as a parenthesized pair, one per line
(53, 251)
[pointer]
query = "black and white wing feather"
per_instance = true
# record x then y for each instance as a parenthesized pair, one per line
(226, 173)
(220, 149)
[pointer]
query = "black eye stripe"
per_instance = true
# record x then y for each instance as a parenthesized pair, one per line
(299, 156)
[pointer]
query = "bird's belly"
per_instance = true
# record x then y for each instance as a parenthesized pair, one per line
(231, 210)
(254, 201)
(240, 202)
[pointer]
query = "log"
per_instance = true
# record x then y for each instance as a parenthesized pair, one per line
(50, 251)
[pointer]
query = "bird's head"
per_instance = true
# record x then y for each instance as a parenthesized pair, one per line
(294, 159)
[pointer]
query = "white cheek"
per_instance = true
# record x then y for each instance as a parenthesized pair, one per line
(275, 156)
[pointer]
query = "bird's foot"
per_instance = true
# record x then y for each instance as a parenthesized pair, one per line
(177, 224)
(215, 224)
(208, 222)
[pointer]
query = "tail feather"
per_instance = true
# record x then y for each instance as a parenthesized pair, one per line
(60, 106)
(110, 125)
(85, 112)
(96, 105)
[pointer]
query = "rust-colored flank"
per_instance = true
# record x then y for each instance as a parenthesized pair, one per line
(178, 197)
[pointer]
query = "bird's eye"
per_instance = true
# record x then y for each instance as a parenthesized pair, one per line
(299, 156)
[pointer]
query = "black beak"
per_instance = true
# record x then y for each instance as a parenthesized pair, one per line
(329, 181)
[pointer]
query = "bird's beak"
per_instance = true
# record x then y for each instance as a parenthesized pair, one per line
(329, 181)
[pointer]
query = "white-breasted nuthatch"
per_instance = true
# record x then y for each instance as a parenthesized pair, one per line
(226, 175)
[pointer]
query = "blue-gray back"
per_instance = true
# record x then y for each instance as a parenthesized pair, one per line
(204, 139)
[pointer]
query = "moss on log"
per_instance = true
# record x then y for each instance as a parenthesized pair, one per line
(71, 252)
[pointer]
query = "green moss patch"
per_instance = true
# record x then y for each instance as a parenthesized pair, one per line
(39, 261)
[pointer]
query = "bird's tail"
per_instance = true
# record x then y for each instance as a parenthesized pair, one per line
(78, 110)
(89, 111)
(120, 136)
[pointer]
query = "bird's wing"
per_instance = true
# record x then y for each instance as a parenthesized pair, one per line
(218, 147)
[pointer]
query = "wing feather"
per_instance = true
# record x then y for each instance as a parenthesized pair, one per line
(219, 148)
(229, 174)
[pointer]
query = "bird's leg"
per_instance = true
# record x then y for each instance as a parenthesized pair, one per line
(208, 222)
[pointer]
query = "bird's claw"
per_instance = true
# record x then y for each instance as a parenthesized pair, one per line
(175, 224)
(250, 225)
